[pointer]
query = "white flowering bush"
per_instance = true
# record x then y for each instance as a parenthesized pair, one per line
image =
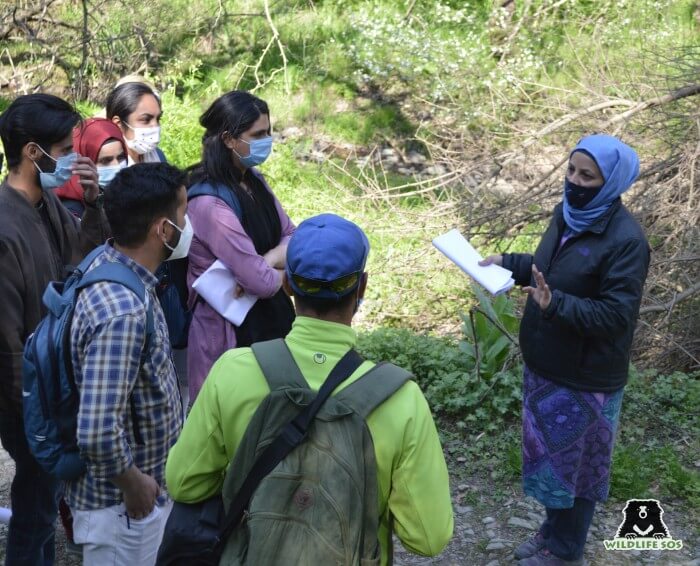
(489, 61)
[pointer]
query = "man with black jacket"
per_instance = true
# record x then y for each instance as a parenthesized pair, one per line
(39, 239)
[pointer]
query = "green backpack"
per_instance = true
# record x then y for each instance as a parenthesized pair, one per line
(319, 506)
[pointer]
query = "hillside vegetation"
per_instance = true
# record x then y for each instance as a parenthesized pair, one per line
(415, 116)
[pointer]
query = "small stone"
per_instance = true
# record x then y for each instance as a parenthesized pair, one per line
(462, 487)
(491, 533)
(504, 188)
(493, 563)
(487, 520)
(495, 546)
(469, 532)
(316, 156)
(415, 157)
(292, 132)
(470, 181)
(521, 523)
(461, 459)
(463, 509)
(697, 463)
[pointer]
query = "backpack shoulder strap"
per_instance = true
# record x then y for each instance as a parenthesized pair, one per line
(116, 272)
(218, 191)
(86, 262)
(365, 394)
(278, 365)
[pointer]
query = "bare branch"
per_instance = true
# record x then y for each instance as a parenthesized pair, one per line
(673, 302)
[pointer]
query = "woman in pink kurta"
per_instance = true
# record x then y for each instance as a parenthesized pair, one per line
(251, 241)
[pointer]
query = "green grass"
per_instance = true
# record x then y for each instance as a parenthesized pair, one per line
(366, 126)
(631, 474)
(406, 286)
(513, 461)
(181, 138)
(640, 472)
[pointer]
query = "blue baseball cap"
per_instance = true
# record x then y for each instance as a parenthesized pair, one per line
(326, 257)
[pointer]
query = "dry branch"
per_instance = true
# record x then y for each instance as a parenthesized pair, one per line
(667, 307)
(684, 92)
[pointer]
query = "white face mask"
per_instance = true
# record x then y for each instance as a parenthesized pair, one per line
(145, 139)
(183, 246)
(106, 173)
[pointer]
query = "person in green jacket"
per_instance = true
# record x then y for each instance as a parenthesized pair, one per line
(326, 258)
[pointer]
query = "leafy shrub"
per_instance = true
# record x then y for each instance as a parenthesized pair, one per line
(446, 369)
(489, 330)
(429, 358)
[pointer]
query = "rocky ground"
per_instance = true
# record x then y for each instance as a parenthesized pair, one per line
(492, 524)
(489, 522)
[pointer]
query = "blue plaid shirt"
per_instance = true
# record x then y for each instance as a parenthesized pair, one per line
(107, 338)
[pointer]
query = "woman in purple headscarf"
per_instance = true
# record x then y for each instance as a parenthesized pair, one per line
(584, 286)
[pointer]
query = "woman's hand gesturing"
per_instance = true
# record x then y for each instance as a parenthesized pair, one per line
(541, 293)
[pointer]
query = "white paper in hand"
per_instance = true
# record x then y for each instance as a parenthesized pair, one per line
(494, 278)
(217, 286)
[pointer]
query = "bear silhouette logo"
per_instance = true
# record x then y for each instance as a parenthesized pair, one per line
(643, 518)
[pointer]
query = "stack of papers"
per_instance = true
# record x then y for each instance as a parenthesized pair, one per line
(494, 278)
(217, 286)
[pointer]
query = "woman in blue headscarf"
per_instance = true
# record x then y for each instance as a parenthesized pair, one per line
(584, 286)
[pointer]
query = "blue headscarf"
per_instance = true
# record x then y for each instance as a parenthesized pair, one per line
(619, 165)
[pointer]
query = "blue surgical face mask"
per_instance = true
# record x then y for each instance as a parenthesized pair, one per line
(60, 174)
(259, 151)
(106, 174)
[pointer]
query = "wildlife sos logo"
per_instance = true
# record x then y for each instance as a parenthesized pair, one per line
(643, 528)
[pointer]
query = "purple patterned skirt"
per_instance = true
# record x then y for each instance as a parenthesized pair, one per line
(568, 439)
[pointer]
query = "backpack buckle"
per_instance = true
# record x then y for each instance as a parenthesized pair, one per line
(293, 434)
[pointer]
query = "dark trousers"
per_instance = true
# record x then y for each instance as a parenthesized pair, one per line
(565, 530)
(34, 496)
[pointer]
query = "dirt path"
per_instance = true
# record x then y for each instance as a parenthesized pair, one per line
(489, 522)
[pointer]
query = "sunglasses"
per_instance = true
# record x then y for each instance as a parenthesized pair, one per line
(313, 286)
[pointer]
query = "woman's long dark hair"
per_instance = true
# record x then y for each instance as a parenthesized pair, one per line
(233, 113)
(124, 99)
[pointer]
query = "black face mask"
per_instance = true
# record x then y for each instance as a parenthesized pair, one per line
(578, 196)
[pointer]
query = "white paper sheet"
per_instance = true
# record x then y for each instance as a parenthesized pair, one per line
(494, 278)
(217, 286)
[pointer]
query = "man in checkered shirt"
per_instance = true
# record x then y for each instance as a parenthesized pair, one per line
(130, 412)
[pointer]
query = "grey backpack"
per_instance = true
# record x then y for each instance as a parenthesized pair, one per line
(319, 505)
